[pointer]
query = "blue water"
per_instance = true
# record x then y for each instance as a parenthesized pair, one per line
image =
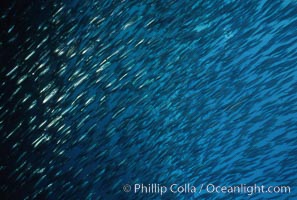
(99, 94)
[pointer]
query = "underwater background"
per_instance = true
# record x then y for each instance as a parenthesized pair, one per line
(99, 94)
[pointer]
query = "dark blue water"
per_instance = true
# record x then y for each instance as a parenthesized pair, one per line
(99, 94)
